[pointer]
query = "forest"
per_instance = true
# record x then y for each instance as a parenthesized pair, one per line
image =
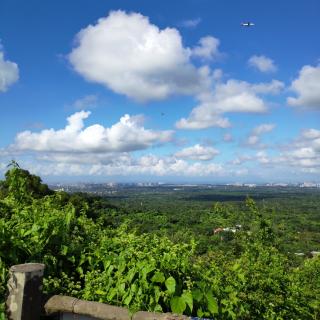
(219, 255)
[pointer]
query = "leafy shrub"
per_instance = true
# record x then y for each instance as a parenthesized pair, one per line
(115, 264)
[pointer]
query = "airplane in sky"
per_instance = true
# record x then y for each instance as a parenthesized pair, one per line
(247, 24)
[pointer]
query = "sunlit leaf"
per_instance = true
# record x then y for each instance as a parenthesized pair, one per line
(171, 285)
(177, 304)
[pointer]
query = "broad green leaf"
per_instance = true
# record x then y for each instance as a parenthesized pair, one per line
(122, 288)
(127, 300)
(112, 293)
(131, 274)
(187, 297)
(133, 288)
(171, 285)
(146, 270)
(158, 277)
(177, 304)
(212, 303)
(197, 295)
(106, 264)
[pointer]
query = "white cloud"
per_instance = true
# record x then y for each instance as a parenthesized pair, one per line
(126, 135)
(260, 156)
(262, 63)
(217, 74)
(300, 157)
(172, 166)
(241, 159)
(192, 23)
(273, 87)
(9, 73)
(254, 137)
(91, 158)
(159, 166)
(127, 166)
(253, 140)
(232, 96)
(197, 152)
(311, 134)
(263, 128)
(303, 154)
(207, 49)
(88, 101)
(307, 88)
(200, 118)
(131, 56)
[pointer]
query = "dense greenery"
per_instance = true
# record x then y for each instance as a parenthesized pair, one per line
(95, 251)
(195, 210)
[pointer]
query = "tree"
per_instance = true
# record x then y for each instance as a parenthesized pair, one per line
(21, 184)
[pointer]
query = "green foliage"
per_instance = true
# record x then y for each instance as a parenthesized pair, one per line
(91, 254)
(21, 185)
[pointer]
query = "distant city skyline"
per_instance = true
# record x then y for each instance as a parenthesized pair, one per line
(130, 91)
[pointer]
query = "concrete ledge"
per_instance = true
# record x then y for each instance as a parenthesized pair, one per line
(101, 310)
(144, 315)
(60, 304)
(97, 310)
(57, 304)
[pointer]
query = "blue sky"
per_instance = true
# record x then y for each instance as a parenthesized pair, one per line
(161, 91)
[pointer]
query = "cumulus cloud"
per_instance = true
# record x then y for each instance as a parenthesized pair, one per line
(9, 73)
(262, 63)
(232, 96)
(302, 154)
(307, 88)
(309, 138)
(197, 152)
(200, 118)
(173, 166)
(254, 137)
(145, 165)
(302, 157)
(207, 49)
(131, 56)
(110, 158)
(273, 87)
(311, 134)
(126, 135)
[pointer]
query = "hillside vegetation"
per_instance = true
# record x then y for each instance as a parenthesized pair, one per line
(93, 250)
